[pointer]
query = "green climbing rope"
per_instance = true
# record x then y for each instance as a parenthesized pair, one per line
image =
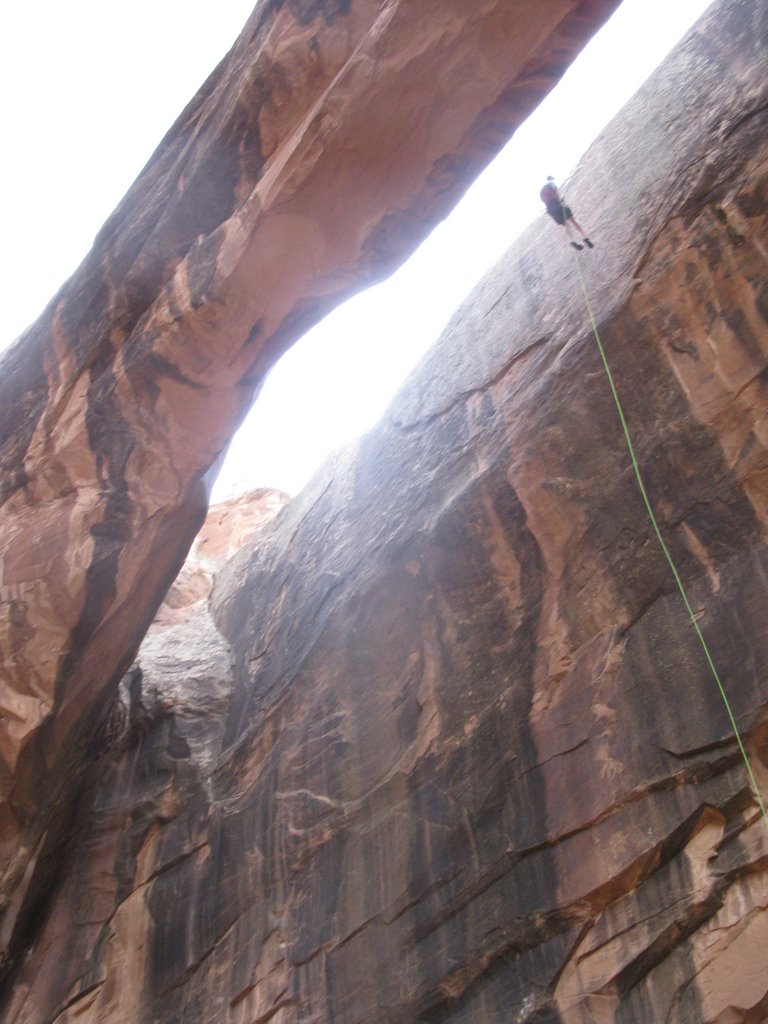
(662, 543)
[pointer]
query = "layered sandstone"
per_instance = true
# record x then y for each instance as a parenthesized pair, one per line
(318, 154)
(451, 752)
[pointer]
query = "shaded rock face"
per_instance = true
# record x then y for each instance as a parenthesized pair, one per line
(227, 527)
(450, 752)
(164, 737)
(323, 148)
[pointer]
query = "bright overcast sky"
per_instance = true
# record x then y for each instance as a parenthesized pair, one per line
(91, 87)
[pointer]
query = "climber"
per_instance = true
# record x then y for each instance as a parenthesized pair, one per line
(561, 213)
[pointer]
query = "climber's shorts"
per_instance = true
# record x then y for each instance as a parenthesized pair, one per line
(560, 214)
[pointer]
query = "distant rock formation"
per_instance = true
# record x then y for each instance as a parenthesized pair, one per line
(227, 527)
(318, 154)
(451, 753)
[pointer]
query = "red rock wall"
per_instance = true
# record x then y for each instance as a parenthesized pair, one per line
(316, 156)
(228, 526)
(448, 751)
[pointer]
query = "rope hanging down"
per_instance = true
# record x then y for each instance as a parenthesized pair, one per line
(663, 545)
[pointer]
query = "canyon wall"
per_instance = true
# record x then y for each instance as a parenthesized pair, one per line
(318, 154)
(448, 750)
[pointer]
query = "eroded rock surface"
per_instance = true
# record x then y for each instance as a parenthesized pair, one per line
(464, 760)
(227, 527)
(318, 154)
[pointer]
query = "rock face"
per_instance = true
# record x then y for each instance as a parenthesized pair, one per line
(318, 154)
(450, 752)
(227, 527)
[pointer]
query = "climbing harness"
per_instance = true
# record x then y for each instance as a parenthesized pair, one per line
(662, 543)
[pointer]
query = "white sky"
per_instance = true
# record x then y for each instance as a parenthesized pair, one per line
(90, 88)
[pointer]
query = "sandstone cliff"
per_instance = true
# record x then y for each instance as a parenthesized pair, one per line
(317, 155)
(228, 526)
(451, 752)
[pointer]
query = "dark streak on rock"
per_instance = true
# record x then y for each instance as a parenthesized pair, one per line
(160, 366)
(307, 11)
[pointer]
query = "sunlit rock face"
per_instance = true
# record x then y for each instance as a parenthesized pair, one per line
(443, 747)
(319, 153)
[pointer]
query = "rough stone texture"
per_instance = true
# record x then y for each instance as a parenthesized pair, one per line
(322, 149)
(452, 754)
(227, 527)
(168, 722)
